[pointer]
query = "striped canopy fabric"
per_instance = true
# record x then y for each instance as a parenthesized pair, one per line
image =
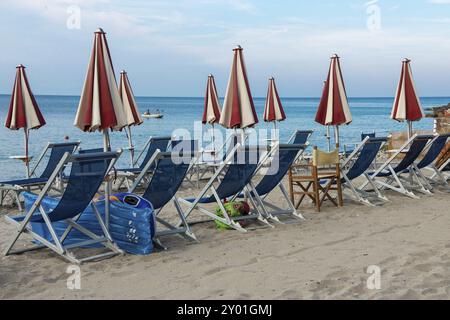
(334, 109)
(131, 110)
(100, 105)
(274, 109)
(238, 110)
(407, 106)
(23, 111)
(211, 114)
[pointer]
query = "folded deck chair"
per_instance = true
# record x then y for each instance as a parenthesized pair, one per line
(151, 147)
(57, 151)
(169, 172)
(429, 162)
(357, 165)
(300, 137)
(87, 174)
(230, 179)
(209, 161)
(389, 175)
(281, 158)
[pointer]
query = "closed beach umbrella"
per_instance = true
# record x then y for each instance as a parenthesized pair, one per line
(238, 109)
(101, 107)
(211, 112)
(131, 110)
(333, 108)
(273, 111)
(23, 111)
(407, 106)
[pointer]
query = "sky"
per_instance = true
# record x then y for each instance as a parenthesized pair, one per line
(169, 47)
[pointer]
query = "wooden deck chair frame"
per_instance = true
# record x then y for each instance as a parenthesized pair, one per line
(232, 222)
(359, 194)
(183, 229)
(58, 246)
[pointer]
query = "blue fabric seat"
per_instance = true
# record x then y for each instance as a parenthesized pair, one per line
(87, 173)
(155, 144)
(416, 149)
(57, 151)
(301, 137)
(170, 170)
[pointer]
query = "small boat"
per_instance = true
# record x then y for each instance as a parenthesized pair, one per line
(156, 115)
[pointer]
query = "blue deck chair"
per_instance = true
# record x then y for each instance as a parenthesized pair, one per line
(87, 174)
(280, 159)
(389, 175)
(358, 164)
(169, 174)
(151, 147)
(238, 170)
(429, 162)
(57, 151)
(300, 137)
(350, 148)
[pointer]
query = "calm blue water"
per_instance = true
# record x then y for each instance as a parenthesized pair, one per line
(369, 114)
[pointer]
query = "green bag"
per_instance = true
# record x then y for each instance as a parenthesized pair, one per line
(234, 209)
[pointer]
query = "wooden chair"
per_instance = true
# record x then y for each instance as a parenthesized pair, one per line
(325, 167)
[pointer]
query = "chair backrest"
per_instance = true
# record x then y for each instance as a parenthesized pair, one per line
(184, 146)
(416, 148)
(87, 174)
(161, 144)
(167, 178)
(370, 135)
(239, 172)
(285, 156)
(366, 157)
(301, 137)
(322, 158)
(434, 151)
(88, 151)
(57, 151)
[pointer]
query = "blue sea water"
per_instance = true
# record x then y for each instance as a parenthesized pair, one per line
(369, 114)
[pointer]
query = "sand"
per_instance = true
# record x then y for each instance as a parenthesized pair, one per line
(325, 257)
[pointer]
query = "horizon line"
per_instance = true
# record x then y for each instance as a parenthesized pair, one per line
(201, 97)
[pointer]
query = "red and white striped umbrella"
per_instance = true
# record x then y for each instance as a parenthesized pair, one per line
(100, 105)
(238, 110)
(131, 110)
(274, 109)
(333, 108)
(23, 111)
(211, 113)
(407, 106)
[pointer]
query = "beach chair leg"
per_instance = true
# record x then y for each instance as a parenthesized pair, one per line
(424, 185)
(375, 188)
(291, 205)
(401, 188)
(261, 217)
(188, 233)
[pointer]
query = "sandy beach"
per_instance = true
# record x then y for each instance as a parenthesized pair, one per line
(324, 257)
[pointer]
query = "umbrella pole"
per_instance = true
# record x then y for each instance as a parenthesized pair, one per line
(130, 145)
(336, 135)
(27, 162)
(410, 130)
(329, 138)
(107, 148)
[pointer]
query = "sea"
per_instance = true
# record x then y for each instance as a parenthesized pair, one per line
(182, 116)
